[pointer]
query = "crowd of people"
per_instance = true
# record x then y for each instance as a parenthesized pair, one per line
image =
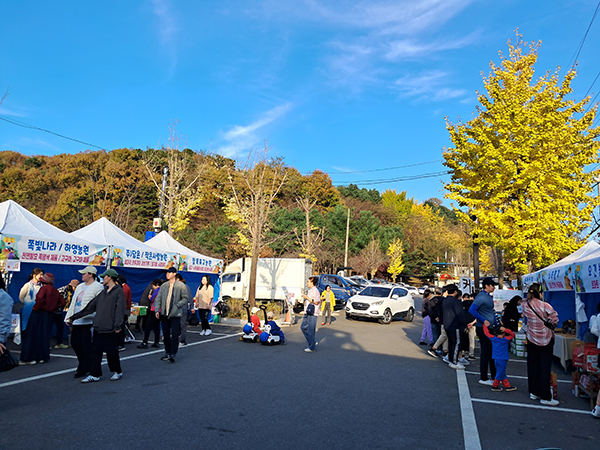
(96, 310)
(452, 320)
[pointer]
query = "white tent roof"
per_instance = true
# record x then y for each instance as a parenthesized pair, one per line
(127, 251)
(554, 275)
(17, 221)
(35, 240)
(103, 231)
(195, 261)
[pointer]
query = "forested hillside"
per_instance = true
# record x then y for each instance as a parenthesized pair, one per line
(72, 190)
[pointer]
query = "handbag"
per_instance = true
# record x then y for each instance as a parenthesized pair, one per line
(310, 310)
(7, 361)
(544, 321)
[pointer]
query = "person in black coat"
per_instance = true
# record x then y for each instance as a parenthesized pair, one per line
(455, 323)
(511, 315)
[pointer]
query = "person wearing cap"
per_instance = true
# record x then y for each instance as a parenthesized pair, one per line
(59, 315)
(81, 330)
(109, 306)
(36, 338)
(168, 305)
(483, 310)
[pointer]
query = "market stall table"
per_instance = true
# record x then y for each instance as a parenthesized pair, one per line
(562, 348)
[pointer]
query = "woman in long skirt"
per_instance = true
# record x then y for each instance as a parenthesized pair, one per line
(36, 339)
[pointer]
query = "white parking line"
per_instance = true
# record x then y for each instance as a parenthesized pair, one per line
(516, 376)
(139, 355)
(470, 431)
(526, 405)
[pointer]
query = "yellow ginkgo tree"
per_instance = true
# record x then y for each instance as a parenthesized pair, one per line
(522, 168)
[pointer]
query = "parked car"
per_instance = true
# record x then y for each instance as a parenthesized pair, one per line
(423, 288)
(381, 302)
(411, 289)
(341, 288)
(356, 287)
(360, 280)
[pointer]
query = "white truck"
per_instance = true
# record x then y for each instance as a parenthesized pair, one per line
(276, 278)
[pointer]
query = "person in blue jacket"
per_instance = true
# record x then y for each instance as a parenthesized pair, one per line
(483, 310)
(275, 330)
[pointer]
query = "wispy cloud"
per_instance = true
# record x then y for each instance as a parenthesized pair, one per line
(427, 86)
(241, 138)
(29, 146)
(167, 30)
(372, 36)
(10, 112)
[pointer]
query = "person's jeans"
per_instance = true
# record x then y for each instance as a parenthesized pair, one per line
(308, 327)
(204, 318)
(81, 342)
(105, 343)
(170, 329)
(436, 331)
(472, 333)
(427, 330)
(486, 356)
(327, 313)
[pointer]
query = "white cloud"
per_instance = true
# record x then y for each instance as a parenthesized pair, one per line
(427, 86)
(9, 112)
(242, 138)
(371, 36)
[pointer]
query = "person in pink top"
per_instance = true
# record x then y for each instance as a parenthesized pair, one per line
(541, 318)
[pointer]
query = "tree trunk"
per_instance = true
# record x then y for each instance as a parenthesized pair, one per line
(252, 286)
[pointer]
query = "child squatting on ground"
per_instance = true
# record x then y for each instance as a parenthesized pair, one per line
(500, 338)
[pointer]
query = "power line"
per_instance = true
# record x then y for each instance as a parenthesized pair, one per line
(386, 168)
(399, 179)
(576, 55)
(32, 127)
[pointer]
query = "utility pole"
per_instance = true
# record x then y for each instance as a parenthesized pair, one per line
(162, 196)
(347, 234)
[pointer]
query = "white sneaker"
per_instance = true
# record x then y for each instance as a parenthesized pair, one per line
(202, 333)
(486, 382)
(116, 376)
(208, 332)
(534, 397)
(446, 360)
(457, 366)
(308, 350)
(90, 379)
(464, 361)
(596, 412)
(129, 339)
(551, 402)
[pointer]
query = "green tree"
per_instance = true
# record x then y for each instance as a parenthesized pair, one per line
(521, 166)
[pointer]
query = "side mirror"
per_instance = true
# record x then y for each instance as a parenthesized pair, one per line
(395, 297)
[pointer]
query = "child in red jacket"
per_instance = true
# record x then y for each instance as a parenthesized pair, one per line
(500, 338)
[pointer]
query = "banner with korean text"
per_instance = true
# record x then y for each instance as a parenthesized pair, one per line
(48, 251)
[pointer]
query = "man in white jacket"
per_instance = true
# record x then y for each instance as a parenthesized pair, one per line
(81, 331)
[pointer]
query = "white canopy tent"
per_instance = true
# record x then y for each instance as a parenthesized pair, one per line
(27, 238)
(189, 260)
(125, 250)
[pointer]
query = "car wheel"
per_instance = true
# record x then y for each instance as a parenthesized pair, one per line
(387, 317)
(410, 315)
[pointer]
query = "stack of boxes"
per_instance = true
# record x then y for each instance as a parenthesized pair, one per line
(517, 345)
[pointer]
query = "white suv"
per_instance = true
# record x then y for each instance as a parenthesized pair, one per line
(381, 302)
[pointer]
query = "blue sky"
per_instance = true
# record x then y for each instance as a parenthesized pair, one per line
(342, 86)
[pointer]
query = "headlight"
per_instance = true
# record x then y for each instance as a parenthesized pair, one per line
(377, 303)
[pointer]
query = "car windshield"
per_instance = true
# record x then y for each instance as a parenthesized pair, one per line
(376, 291)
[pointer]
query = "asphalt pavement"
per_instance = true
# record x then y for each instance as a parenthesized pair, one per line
(367, 386)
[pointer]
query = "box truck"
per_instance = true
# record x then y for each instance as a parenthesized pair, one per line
(275, 277)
